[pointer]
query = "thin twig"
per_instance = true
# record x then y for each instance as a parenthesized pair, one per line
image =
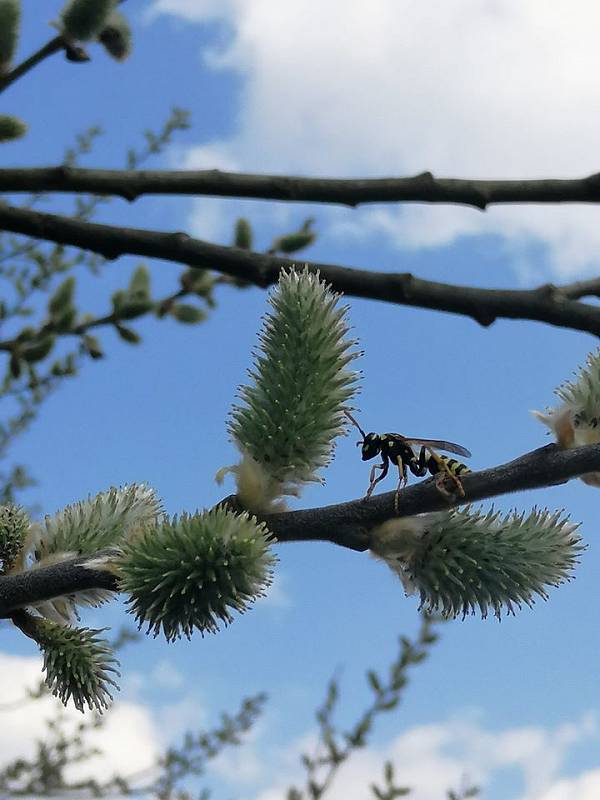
(53, 46)
(544, 304)
(421, 188)
(347, 524)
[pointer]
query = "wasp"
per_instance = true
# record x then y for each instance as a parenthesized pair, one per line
(398, 449)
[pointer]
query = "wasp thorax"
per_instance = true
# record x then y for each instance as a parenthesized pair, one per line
(371, 446)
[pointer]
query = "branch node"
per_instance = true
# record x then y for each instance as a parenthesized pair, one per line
(179, 238)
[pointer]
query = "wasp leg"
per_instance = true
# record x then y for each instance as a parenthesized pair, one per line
(443, 473)
(373, 481)
(418, 466)
(401, 483)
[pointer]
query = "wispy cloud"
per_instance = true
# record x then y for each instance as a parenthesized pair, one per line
(128, 741)
(433, 758)
(469, 88)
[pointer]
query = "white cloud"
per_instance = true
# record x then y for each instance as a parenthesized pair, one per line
(471, 88)
(433, 758)
(166, 675)
(128, 740)
(430, 758)
(584, 787)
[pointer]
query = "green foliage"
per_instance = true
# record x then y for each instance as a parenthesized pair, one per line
(390, 790)
(191, 757)
(83, 20)
(188, 314)
(242, 234)
(60, 306)
(39, 349)
(127, 334)
(583, 394)
(10, 20)
(199, 282)
(335, 746)
(298, 240)
(78, 664)
(115, 36)
(88, 526)
(463, 561)
(294, 408)
(92, 346)
(14, 524)
(48, 772)
(98, 527)
(192, 572)
(11, 128)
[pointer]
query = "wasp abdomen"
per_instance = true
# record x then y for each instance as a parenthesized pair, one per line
(453, 466)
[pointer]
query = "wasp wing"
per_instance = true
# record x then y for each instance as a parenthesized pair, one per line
(440, 444)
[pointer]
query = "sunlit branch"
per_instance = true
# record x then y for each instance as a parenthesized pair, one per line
(544, 304)
(421, 188)
(347, 524)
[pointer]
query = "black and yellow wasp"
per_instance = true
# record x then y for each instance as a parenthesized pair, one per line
(398, 449)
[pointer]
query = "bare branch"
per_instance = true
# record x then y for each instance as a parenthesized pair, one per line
(422, 188)
(347, 524)
(36, 585)
(544, 304)
(73, 52)
(578, 289)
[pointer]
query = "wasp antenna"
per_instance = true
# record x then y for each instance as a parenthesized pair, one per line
(355, 423)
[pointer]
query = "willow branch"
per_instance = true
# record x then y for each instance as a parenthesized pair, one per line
(346, 524)
(37, 585)
(544, 304)
(422, 188)
(55, 45)
(578, 289)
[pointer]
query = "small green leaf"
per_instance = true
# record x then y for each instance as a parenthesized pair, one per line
(128, 335)
(374, 681)
(92, 346)
(292, 242)
(198, 281)
(388, 772)
(188, 314)
(389, 704)
(11, 128)
(139, 285)
(38, 350)
(62, 297)
(132, 309)
(62, 323)
(118, 298)
(243, 234)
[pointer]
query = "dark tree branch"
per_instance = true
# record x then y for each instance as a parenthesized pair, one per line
(347, 524)
(422, 188)
(37, 585)
(73, 52)
(578, 289)
(545, 304)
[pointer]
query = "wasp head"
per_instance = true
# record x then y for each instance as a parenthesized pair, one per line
(371, 446)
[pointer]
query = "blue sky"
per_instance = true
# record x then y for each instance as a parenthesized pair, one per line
(474, 89)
